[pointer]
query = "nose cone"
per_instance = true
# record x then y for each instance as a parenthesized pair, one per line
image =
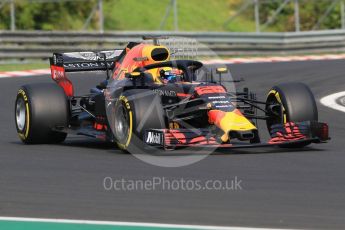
(230, 121)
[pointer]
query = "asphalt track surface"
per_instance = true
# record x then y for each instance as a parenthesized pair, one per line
(281, 188)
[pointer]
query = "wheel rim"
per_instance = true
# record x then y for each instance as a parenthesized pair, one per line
(121, 124)
(20, 114)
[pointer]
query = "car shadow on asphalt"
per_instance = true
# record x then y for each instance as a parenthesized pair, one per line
(270, 150)
(222, 152)
(90, 143)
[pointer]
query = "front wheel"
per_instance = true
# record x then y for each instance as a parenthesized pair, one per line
(136, 111)
(296, 101)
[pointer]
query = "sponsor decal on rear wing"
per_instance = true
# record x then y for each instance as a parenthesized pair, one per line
(61, 63)
(86, 61)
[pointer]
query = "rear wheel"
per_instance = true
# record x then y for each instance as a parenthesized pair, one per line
(41, 108)
(136, 111)
(296, 101)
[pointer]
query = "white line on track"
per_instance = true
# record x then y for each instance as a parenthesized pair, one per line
(331, 101)
(40, 71)
(132, 224)
(275, 59)
(24, 73)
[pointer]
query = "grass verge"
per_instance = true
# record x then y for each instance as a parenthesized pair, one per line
(23, 66)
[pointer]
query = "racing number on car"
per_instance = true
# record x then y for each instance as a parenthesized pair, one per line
(58, 72)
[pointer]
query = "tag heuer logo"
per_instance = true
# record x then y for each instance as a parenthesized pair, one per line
(154, 138)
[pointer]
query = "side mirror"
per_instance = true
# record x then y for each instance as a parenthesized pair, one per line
(221, 70)
(133, 75)
(137, 78)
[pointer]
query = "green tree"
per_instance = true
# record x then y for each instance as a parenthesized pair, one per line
(31, 15)
(310, 12)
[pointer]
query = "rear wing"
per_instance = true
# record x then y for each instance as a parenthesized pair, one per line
(61, 63)
(86, 61)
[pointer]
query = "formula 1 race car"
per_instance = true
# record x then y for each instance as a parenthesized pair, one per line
(148, 99)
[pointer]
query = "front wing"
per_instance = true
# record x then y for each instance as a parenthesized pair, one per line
(289, 134)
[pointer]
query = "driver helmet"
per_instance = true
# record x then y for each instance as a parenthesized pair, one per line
(170, 76)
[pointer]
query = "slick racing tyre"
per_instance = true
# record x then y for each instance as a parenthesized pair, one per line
(136, 111)
(297, 101)
(40, 109)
